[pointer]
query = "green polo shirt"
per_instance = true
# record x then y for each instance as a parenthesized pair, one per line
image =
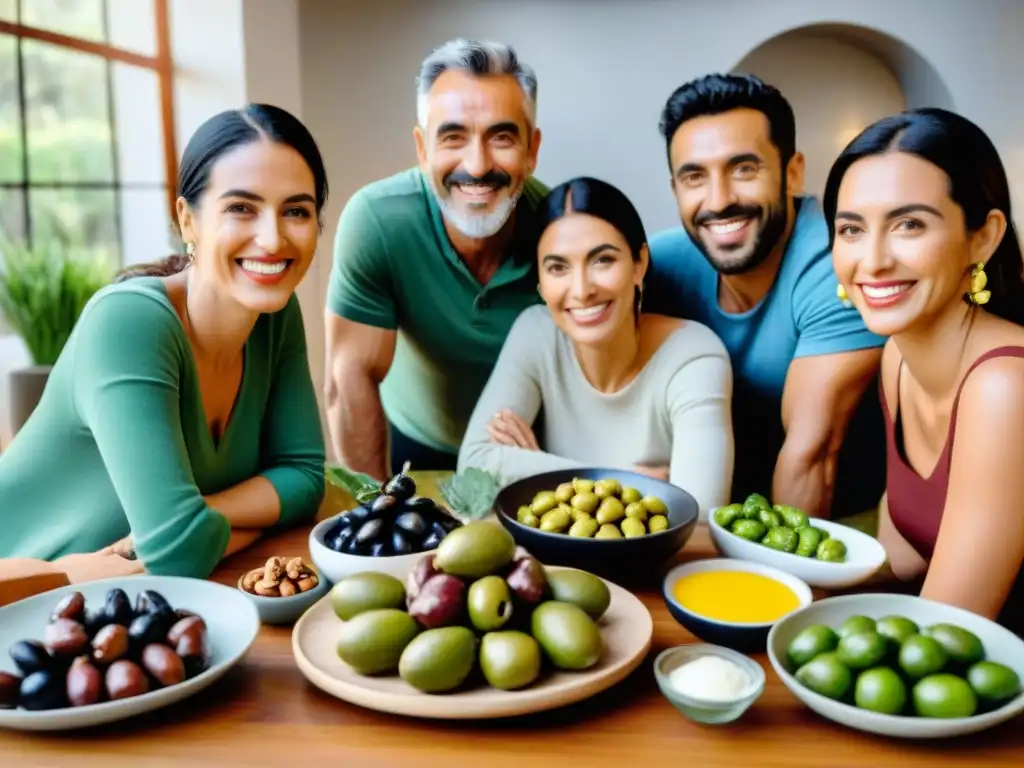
(395, 268)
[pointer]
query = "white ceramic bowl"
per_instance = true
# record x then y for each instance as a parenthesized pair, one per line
(232, 624)
(864, 555)
(337, 565)
(285, 610)
(1001, 645)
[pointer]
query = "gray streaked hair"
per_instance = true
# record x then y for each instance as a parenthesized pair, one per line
(478, 57)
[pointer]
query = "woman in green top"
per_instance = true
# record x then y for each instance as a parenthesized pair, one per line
(181, 415)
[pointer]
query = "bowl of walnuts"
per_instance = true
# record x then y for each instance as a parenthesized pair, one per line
(283, 588)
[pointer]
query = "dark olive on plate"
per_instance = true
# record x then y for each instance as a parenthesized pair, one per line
(193, 626)
(146, 629)
(42, 690)
(369, 530)
(65, 637)
(151, 601)
(9, 687)
(412, 522)
(379, 549)
(118, 608)
(84, 683)
(431, 541)
(400, 544)
(31, 656)
(357, 515)
(110, 644)
(163, 664)
(125, 679)
(72, 607)
(383, 503)
(401, 486)
(94, 621)
(341, 538)
(420, 504)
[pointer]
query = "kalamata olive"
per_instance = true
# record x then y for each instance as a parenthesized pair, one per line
(65, 637)
(43, 690)
(369, 530)
(72, 607)
(190, 643)
(181, 613)
(84, 683)
(151, 601)
(191, 625)
(400, 544)
(31, 656)
(340, 539)
(9, 687)
(431, 541)
(195, 665)
(163, 664)
(110, 644)
(95, 621)
(383, 504)
(125, 679)
(118, 608)
(146, 629)
(412, 523)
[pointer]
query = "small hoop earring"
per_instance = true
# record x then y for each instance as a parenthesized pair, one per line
(190, 250)
(978, 295)
(843, 296)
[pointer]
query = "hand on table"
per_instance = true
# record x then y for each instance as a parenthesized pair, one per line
(509, 428)
(93, 566)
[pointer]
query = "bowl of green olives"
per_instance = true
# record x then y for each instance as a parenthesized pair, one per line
(616, 523)
(821, 553)
(102, 651)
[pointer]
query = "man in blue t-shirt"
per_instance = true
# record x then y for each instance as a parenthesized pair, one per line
(752, 262)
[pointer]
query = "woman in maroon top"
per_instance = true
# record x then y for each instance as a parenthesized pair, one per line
(925, 249)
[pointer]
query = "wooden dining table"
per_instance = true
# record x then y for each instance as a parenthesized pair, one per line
(264, 712)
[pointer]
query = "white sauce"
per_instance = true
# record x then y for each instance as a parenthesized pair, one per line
(711, 678)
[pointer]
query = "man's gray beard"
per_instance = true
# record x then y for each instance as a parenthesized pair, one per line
(475, 225)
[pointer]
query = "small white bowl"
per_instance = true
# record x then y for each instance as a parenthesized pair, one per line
(1000, 644)
(285, 610)
(708, 711)
(864, 555)
(335, 566)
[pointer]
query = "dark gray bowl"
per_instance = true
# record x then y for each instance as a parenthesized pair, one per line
(617, 559)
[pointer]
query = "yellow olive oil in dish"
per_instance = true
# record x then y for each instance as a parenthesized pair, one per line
(735, 596)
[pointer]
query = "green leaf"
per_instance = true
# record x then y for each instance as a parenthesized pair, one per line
(359, 485)
(471, 493)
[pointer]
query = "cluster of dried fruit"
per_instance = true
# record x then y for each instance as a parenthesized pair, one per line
(280, 577)
(114, 652)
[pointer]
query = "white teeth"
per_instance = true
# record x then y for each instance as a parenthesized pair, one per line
(264, 267)
(589, 311)
(475, 189)
(883, 293)
(725, 227)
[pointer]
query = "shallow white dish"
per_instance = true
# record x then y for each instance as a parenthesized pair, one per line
(864, 555)
(337, 565)
(232, 624)
(1000, 645)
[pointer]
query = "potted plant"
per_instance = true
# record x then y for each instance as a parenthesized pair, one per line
(43, 290)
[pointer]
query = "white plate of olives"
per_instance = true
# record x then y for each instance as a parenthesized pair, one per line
(94, 653)
(821, 553)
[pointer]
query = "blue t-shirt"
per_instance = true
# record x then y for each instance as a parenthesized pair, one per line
(800, 316)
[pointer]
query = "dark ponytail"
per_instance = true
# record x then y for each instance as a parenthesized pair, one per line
(220, 134)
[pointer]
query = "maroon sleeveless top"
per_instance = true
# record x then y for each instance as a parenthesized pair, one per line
(916, 503)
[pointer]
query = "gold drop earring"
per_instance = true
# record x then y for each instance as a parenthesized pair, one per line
(979, 280)
(190, 251)
(842, 296)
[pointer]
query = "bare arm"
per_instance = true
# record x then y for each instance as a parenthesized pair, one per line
(980, 547)
(820, 395)
(358, 358)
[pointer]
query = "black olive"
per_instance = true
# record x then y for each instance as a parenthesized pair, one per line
(43, 690)
(147, 628)
(412, 523)
(400, 544)
(95, 620)
(401, 486)
(423, 504)
(379, 549)
(31, 656)
(195, 665)
(151, 601)
(118, 608)
(438, 528)
(341, 539)
(383, 503)
(431, 541)
(450, 524)
(369, 531)
(357, 515)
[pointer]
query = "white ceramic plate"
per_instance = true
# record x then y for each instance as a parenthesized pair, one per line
(232, 624)
(337, 565)
(1000, 645)
(864, 555)
(626, 627)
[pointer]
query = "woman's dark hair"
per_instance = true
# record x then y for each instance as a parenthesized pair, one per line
(219, 135)
(600, 199)
(977, 183)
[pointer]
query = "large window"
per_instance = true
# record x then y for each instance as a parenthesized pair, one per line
(86, 124)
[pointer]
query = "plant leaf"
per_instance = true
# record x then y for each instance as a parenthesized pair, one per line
(471, 493)
(359, 485)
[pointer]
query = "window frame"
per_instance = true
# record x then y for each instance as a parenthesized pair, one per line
(162, 63)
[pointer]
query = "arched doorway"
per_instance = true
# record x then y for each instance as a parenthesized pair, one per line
(839, 79)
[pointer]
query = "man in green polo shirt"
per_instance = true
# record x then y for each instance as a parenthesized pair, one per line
(433, 265)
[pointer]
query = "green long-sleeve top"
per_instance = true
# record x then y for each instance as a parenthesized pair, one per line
(119, 442)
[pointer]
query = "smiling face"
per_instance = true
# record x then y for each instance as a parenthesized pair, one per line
(732, 191)
(901, 247)
(588, 277)
(476, 149)
(255, 229)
